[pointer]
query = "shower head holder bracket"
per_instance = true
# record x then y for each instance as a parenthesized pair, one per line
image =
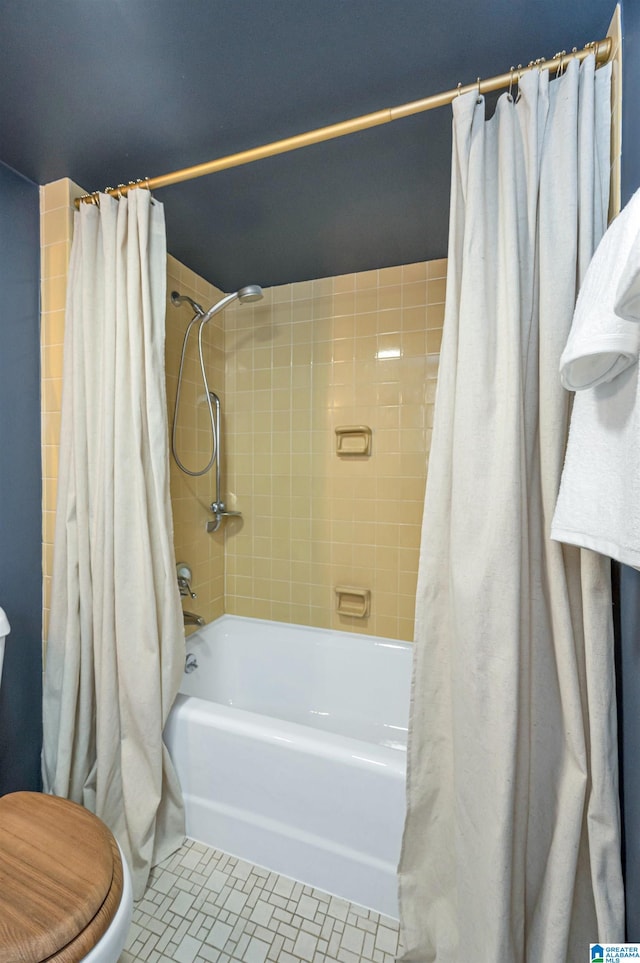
(220, 511)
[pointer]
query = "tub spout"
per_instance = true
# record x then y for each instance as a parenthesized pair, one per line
(190, 618)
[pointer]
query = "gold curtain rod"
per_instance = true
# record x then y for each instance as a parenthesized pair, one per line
(601, 49)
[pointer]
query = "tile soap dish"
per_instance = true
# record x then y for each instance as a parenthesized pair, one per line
(353, 440)
(352, 601)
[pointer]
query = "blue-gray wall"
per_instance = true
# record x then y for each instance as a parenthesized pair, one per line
(627, 580)
(20, 482)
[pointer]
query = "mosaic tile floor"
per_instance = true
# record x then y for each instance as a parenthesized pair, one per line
(202, 905)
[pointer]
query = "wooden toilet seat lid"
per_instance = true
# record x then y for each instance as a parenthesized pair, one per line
(56, 871)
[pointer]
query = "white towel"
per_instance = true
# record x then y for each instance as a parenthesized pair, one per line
(602, 343)
(628, 295)
(599, 501)
(4, 630)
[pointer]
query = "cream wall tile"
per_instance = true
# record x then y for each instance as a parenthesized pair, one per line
(415, 272)
(366, 279)
(55, 259)
(435, 316)
(55, 195)
(390, 276)
(436, 290)
(52, 329)
(437, 269)
(56, 225)
(434, 341)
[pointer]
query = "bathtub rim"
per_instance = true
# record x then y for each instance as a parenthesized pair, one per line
(317, 630)
(298, 737)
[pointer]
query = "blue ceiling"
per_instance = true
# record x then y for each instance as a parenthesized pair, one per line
(107, 91)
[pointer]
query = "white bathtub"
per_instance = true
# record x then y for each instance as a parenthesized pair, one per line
(290, 746)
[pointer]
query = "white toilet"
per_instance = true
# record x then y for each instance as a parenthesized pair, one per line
(66, 893)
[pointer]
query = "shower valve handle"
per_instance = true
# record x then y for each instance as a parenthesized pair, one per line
(184, 580)
(185, 588)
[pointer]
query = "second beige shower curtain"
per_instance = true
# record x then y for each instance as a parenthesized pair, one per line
(511, 846)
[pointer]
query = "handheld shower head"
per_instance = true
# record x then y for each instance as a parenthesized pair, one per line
(250, 292)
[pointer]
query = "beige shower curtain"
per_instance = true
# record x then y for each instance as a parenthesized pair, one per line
(511, 845)
(115, 651)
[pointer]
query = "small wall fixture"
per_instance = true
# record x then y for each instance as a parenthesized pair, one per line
(353, 440)
(352, 601)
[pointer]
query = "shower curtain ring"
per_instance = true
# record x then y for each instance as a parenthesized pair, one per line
(144, 183)
(509, 95)
(479, 97)
(562, 64)
(458, 87)
(519, 94)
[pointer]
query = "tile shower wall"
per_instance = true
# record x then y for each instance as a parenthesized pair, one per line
(361, 349)
(189, 496)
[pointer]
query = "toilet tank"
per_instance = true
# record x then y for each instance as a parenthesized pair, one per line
(4, 631)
